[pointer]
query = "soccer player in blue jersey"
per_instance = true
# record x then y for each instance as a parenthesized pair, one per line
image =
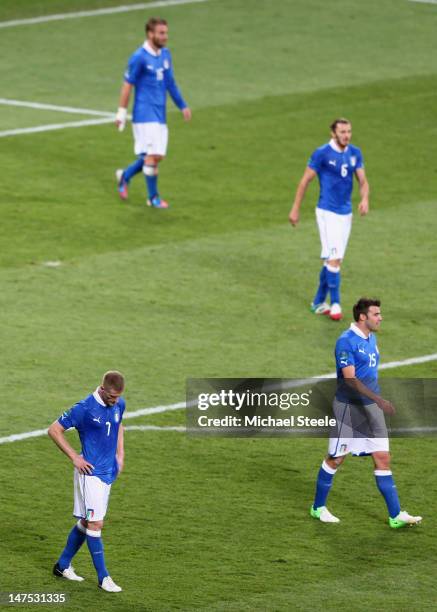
(150, 73)
(97, 419)
(358, 401)
(335, 164)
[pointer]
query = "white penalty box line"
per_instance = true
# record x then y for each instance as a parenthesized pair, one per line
(126, 8)
(104, 117)
(54, 107)
(179, 405)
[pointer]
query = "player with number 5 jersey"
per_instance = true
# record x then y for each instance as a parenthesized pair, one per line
(150, 74)
(336, 164)
(97, 418)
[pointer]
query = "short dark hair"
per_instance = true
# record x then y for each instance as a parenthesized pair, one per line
(113, 381)
(363, 305)
(153, 22)
(337, 121)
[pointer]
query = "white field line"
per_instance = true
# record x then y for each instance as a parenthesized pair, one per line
(179, 405)
(95, 13)
(55, 107)
(57, 126)
(155, 428)
(425, 1)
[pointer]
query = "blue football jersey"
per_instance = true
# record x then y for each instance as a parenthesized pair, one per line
(98, 427)
(335, 171)
(354, 349)
(152, 76)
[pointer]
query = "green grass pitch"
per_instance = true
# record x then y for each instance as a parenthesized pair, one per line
(219, 285)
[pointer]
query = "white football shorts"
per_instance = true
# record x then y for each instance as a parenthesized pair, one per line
(91, 497)
(334, 233)
(360, 429)
(150, 138)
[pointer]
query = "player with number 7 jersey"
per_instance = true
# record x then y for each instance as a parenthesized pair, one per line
(97, 418)
(97, 425)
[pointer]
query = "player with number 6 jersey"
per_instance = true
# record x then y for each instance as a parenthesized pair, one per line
(97, 418)
(335, 163)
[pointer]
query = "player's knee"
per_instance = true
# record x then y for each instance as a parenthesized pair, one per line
(382, 461)
(95, 525)
(334, 462)
(153, 160)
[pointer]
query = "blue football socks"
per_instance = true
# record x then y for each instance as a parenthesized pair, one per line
(75, 540)
(133, 169)
(322, 291)
(387, 488)
(333, 279)
(151, 182)
(95, 546)
(324, 483)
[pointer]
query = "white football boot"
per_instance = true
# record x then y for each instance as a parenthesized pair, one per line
(335, 313)
(323, 515)
(403, 519)
(67, 573)
(320, 309)
(109, 585)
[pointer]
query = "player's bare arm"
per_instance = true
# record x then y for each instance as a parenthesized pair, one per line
(56, 432)
(121, 116)
(357, 385)
(120, 449)
(306, 179)
(363, 206)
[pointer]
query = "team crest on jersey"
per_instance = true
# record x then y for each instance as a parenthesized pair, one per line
(116, 417)
(166, 64)
(343, 448)
(353, 161)
(89, 514)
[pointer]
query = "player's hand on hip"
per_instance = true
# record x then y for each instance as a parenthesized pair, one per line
(363, 208)
(187, 114)
(293, 217)
(121, 118)
(81, 464)
(386, 406)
